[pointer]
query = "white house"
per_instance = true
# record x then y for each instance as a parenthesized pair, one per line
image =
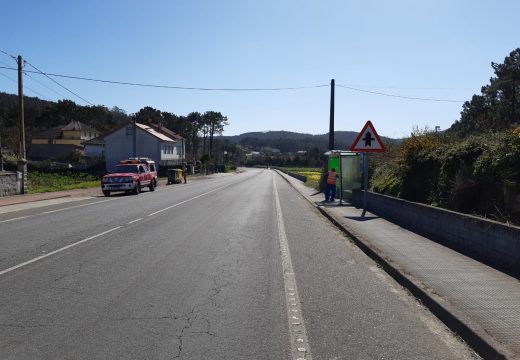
(153, 141)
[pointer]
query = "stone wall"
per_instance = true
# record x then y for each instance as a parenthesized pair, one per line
(490, 242)
(9, 183)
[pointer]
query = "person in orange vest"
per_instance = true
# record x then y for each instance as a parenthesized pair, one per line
(330, 190)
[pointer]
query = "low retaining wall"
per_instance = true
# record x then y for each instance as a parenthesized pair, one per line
(294, 175)
(490, 242)
(9, 183)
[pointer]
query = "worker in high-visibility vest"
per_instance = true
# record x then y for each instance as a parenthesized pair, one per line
(330, 190)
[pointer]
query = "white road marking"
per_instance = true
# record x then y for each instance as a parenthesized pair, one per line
(185, 201)
(298, 334)
(13, 219)
(76, 206)
(53, 211)
(133, 221)
(57, 251)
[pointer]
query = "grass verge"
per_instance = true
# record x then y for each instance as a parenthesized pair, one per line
(38, 182)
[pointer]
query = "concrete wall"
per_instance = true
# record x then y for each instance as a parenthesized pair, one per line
(490, 242)
(50, 151)
(9, 183)
(294, 175)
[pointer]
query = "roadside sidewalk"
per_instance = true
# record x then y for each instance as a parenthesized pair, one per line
(27, 198)
(479, 303)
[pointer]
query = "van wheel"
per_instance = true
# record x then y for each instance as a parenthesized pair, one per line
(106, 193)
(151, 186)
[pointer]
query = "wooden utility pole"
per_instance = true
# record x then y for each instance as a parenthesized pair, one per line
(21, 120)
(134, 139)
(331, 127)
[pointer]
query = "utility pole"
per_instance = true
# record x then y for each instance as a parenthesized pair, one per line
(21, 119)
(1, 155)
(331, 127)
(134, 138)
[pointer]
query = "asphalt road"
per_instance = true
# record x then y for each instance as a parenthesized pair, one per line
(231, 267)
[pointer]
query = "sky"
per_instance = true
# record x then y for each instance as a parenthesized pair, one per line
(433, 49)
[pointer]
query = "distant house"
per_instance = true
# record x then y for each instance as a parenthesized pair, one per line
(60, 141)
(153, 141)
(253, 154)
(94, 147)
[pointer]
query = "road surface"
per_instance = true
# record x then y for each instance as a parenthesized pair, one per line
(231, 267)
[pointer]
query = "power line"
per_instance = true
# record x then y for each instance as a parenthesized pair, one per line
(177, 87)
(34, 91)
(247, 89)
(399, 96)
(408, 87)
(54, 81)
(42, 84)
(28, 88)
(11, 56)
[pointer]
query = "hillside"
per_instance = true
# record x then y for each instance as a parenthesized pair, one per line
(288, 141)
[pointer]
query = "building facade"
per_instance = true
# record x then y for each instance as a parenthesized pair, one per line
(139, 140)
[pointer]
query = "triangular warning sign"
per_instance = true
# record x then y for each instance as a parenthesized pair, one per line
(368, 140)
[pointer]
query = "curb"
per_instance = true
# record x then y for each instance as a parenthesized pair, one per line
(25, 201)
(484, 347)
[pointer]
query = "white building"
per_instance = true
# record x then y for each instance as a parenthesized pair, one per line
(153, 141)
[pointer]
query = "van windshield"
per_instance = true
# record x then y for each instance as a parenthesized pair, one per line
(127, 169)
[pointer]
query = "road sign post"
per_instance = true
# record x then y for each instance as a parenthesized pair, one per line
(367, 141)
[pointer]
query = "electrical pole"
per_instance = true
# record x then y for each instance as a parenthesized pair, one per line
(1, 155)
(331, 127)
(20, 108)
(134, 142)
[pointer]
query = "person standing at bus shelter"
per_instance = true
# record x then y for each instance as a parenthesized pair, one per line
(330, 189)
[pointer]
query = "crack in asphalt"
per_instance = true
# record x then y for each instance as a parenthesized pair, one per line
(200, 311)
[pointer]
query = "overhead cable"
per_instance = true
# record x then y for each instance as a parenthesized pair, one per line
(28, 88)
(42, 84)
(399, 96)
(177, 87)
(54, 81)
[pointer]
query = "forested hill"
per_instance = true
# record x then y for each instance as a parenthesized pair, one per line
(42, 115)
(287, 141)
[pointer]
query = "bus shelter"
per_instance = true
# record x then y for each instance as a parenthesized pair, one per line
(348, 165)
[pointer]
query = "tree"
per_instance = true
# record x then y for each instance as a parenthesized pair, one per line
(194, 120)
(148, 115)
(214, 123)
(497, 108)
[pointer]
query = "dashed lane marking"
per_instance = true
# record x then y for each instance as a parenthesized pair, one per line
(188, 200)
(134, 221)
(13, 219)
(56, 210)
(56, 251)
(300, 349)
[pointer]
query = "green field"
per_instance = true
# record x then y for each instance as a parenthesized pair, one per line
(38, 182)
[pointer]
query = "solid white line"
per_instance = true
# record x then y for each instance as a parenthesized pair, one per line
(56, 251)
(300, 348)
(133, 221)
(185, 201)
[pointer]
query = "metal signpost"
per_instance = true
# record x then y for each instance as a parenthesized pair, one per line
(367, 141)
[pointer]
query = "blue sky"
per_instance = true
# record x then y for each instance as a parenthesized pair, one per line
(429, 49)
